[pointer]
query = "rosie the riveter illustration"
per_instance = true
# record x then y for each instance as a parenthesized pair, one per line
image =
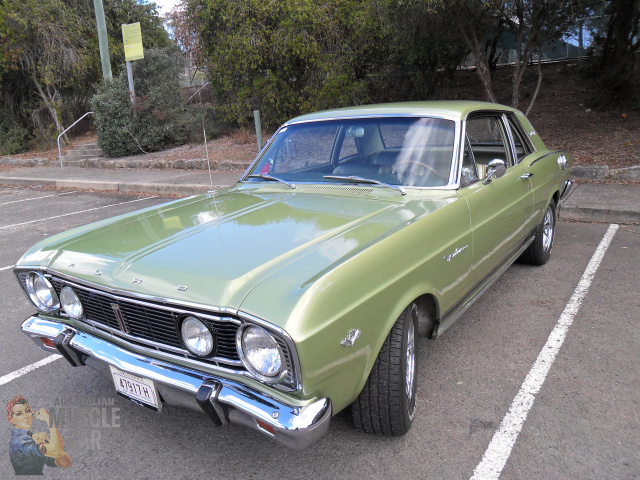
(29, 452)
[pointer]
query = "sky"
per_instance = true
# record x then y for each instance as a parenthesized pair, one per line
(165, 6)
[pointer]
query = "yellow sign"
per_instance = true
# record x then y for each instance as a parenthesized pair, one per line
(132, 37)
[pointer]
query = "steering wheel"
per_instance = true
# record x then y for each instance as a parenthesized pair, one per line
(422, 164)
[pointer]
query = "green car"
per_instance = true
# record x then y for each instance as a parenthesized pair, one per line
(302, 290)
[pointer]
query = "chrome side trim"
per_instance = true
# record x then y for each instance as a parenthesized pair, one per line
(544, 156)
(294, 423)
(455, 312)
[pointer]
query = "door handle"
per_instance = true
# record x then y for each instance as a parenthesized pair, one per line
(525, 176)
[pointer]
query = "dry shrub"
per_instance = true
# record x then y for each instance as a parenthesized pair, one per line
(243, 136)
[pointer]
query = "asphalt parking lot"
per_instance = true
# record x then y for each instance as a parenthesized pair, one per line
(584, 421)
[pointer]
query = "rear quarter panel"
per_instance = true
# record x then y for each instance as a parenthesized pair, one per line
(548, 177)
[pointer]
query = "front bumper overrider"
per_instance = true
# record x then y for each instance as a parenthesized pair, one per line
(223, 400)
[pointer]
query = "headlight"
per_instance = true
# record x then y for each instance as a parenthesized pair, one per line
(41, 292)
(260, 353)
(196, 337)
(71, 303)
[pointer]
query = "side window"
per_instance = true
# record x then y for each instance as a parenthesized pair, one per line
(519, 140)
(469, 171)
(489, 141)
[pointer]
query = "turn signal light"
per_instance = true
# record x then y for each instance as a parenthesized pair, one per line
(266, 427)
(47, 342)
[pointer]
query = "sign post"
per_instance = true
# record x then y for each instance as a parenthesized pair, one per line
(103, 41)
(132, 37)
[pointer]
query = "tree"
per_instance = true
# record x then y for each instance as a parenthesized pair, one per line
(47, 48)
(285, 58)
(185, 32)
(533, 24)
(619, 45)
(50, 63)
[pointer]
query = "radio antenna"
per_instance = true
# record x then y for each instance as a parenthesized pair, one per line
(206, 147)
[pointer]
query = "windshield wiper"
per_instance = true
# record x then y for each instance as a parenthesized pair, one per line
(264, 176)
(354, 179)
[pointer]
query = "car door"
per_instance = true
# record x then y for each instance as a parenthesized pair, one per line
(500, 209)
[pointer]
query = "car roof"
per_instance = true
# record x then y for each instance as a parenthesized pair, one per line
(453, 109)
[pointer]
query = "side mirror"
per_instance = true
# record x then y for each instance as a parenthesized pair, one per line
(495, 169)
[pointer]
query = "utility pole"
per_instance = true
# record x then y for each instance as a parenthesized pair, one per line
(103, 40)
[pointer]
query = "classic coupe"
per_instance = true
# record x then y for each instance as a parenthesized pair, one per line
(302, 290)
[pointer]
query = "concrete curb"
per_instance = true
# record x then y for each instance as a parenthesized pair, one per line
(600, 172)
(25, 162)
(605, 215)
(106, 163)
(149, 188)
(591, 172)
(626, 174)
(609, 203)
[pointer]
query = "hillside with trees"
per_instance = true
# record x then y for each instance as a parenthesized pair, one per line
(288, 58)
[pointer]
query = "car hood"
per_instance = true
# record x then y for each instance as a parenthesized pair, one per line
(213, 250)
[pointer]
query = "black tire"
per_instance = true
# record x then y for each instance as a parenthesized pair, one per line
(387, 403)
(539, 251)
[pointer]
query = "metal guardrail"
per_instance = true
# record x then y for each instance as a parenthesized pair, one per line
(69, 128)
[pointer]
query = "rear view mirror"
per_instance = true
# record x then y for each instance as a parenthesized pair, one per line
(355, 132)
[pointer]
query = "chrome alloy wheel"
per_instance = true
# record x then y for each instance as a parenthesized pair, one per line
(547, 229)
(411, 360)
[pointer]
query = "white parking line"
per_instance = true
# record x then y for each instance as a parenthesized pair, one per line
(36, 198)
(74, 213)
(6, 268)
(499, 450)
(18, 373)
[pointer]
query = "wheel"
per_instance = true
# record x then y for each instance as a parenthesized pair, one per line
(387, 403)
(539, 251)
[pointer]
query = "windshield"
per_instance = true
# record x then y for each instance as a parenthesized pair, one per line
(406, 151)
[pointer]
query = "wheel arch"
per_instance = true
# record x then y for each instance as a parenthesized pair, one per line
(428, 314)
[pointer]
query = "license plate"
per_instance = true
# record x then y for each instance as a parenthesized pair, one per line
(140, 390)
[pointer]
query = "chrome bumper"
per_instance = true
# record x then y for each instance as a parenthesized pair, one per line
(223, 400)
(566, 191)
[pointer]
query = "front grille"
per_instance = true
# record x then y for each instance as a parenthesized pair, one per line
(147, 322)
(153, 324)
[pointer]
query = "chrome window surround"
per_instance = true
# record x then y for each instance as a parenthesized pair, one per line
(513, 120)
(280, 336)
(456, 161)
(504, 117)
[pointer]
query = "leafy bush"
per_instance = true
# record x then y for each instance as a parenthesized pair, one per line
(157, 119)
(12, 137)
(288, 58)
